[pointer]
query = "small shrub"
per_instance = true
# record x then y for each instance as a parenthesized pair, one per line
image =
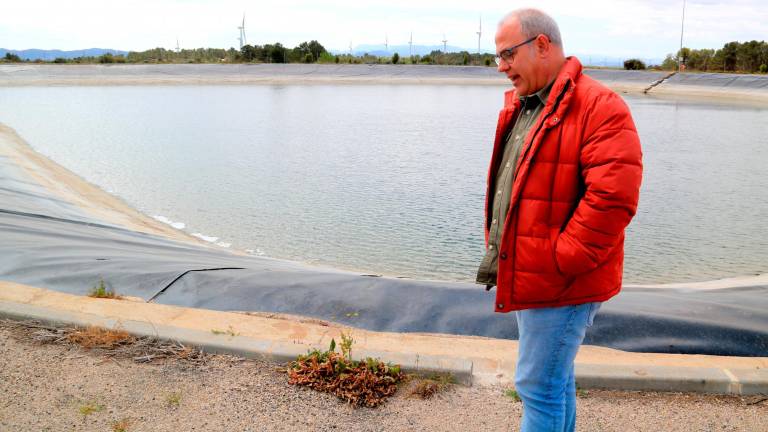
(634, 64)
(89, 408)
(764, 68)
(173, 399)
(432, 384)
(512, 394)
(101, 291)
(326, 57)
(121, 426)
(360, 383)
(59, 60)
(580, 392)
(346, 345)
(395, 58)
(425, 389)
(487, 62)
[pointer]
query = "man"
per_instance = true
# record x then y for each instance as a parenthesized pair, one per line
(563, 185)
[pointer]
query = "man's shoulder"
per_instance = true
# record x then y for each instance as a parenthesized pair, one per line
(590, 88)
(593, 96)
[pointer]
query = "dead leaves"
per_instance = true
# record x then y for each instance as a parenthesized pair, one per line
(365, 383)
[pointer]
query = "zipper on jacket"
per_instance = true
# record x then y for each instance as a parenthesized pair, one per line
(544, 120)
(522, 158)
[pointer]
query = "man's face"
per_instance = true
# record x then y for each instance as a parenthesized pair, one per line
(524, 69)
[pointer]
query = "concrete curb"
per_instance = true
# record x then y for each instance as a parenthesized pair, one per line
(675, 379)
(634, 371)
(248, 347)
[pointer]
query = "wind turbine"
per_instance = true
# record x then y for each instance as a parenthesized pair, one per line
(386, 42)
(178, 49)
(479, 34)
(242, 33)
(445, 41)
(410, 45)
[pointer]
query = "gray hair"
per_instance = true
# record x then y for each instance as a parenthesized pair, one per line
(534, 22)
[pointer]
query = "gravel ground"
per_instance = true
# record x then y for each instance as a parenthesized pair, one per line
(66, 388)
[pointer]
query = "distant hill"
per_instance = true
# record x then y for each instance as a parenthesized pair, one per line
(49, 55)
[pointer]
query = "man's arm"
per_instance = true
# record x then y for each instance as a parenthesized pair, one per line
(611, 166)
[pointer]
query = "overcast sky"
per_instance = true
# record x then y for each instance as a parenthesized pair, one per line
(646, 29)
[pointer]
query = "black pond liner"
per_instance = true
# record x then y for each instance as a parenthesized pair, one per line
(72, 257)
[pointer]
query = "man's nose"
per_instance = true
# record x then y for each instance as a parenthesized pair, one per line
(502, 67)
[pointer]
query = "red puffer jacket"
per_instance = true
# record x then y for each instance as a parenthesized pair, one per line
(576, 189)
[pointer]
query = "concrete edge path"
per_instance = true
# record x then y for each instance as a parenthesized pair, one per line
(478, 360)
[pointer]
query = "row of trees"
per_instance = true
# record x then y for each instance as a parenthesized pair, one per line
(314, 52)
(11, 58)
(199, 55)
(749, 57)
(306, 52)
(462, 58)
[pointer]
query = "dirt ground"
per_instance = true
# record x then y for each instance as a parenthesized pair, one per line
(64, 387)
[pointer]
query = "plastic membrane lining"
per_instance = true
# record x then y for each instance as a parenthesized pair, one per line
(640, 77)
(49, 243)
(721, 80)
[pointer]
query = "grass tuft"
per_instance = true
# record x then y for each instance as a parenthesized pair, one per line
(512, 394)
(89, 408)
(173, 399)
(229, 331)
(101, 291)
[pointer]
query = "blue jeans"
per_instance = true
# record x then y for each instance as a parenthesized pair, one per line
(544, 378)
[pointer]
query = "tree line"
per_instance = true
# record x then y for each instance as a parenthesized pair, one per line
(305, 52)
(744, 57)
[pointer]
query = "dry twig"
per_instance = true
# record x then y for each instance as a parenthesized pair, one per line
(112, 343)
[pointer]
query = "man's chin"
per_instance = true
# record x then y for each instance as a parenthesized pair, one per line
(522, 91)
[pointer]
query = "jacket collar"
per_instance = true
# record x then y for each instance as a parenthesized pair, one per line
(569, 73)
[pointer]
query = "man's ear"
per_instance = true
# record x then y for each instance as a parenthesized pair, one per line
(543, 46)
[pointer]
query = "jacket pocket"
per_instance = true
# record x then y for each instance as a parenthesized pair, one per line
(554, 234)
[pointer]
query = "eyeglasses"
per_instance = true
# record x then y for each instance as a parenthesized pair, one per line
(508, 55)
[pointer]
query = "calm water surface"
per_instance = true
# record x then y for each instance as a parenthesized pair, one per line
(388, 179)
